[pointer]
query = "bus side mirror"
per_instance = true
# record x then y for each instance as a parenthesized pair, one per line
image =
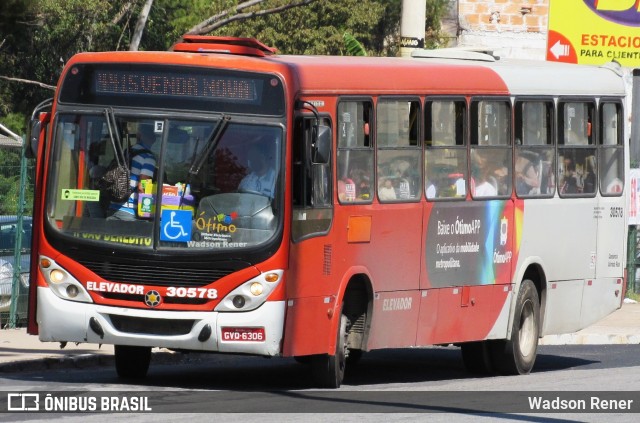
(41, 115)
(33, 138)
(322, 145)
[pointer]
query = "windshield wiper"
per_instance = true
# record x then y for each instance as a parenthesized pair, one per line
(211, 144)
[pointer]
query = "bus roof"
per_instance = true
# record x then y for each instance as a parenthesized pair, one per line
(333, 74)
(350, 75)
(536, 77)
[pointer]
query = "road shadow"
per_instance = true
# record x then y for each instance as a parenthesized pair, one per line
(233, 372)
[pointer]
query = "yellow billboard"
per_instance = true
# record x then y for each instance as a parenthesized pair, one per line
(594, 31)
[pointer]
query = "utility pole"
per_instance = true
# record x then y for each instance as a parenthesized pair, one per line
(414, 15)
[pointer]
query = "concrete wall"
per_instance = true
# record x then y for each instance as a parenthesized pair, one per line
(511, 28)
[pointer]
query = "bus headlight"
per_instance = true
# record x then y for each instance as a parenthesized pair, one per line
(56, 276)
(256, 289)
(251, 294)
(62, 283)
(238, 301)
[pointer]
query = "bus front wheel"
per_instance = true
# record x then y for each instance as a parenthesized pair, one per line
(132, 362)
(518, 354)
(328, 370)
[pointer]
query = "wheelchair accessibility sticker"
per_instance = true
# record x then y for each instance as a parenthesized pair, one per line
(176, 225)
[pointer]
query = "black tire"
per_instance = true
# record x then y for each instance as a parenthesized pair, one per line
(476, 357)
(303, 359)
(354, 357)
(132, 362)
(516, 356)
(328, 370)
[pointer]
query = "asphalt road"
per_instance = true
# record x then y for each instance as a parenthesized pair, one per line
(388, 385)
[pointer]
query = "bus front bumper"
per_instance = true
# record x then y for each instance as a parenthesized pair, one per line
(257, 332)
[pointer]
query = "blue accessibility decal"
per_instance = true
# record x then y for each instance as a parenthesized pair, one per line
(175, 225)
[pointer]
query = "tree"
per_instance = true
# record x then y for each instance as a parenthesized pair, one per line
(243, 11)
(142, 22)
(320, 25)
(353, 46)
(436, 10)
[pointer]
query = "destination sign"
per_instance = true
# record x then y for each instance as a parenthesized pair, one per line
(172, 84)
(173, 87)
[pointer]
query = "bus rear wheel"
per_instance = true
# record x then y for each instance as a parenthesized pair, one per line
(518, 354)
(132, 362)
(328, 370)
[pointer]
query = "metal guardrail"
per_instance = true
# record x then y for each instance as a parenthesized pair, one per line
(15, 250)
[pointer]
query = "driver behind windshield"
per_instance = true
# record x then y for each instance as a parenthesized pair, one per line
(261, 179)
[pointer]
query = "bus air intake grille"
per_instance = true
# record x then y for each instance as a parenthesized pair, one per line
(145, 326)
(155, 275)
(166, 300)
(326, 263)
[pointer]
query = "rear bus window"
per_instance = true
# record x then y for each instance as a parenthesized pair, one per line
(611, 153)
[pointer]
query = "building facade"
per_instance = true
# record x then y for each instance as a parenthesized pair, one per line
(510, 28)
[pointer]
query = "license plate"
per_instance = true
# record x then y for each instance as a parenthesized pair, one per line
(243, 334)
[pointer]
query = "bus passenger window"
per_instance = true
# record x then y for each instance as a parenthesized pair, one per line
(535, 154)
(445, 160)
(397, 125)
(577, 150)
(611, 149)
(355, 152)
(490, 155)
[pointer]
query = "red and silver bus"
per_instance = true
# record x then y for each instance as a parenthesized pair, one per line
(322, 207)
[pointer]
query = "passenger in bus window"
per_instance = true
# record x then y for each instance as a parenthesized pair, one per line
(527, 176)
(405, 172)
(386, 191)
(261, 179)
(143, 166)
(483, 182)
(445, 181)
(435, 175)
(362, 183)
(589, 183)
(569, 183)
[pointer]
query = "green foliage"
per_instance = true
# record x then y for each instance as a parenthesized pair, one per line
(10, 183)
(16, 122)
(353, 46)
(318, 27)
(436, 10)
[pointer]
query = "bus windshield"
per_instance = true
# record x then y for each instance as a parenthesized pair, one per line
(195, 184)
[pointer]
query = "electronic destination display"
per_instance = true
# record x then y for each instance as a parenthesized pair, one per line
(173, 87)
(172, 84)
